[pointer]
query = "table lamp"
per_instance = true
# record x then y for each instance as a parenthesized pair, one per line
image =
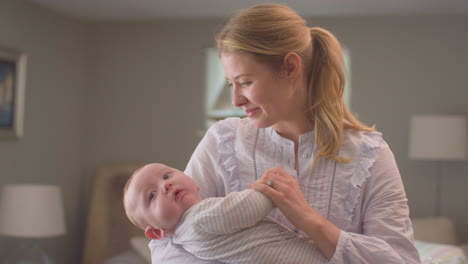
(31, 211)
(438, 138)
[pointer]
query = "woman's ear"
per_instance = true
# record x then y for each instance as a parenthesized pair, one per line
(292, 65)
(155, 233)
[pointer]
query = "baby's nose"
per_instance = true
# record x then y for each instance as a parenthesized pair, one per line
(167, 187)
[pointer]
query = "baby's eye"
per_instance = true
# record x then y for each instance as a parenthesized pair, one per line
(151, 195)
(166, 176)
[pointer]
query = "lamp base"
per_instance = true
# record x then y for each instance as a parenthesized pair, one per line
(29, 255)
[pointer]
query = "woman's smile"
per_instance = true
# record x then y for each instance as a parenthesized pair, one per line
(251, 112)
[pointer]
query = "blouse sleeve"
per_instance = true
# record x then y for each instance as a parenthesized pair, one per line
(387, 234)
(203, 168)
(213, 165)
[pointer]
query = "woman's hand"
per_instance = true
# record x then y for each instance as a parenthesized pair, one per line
(285, 192)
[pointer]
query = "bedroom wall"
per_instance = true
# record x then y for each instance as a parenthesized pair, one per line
(147, 98)
(50, 150)
(147, 102)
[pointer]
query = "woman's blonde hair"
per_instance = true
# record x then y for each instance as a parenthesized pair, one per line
(269, 32)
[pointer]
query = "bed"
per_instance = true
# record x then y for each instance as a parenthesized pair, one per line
(109, 233)
(111, 238)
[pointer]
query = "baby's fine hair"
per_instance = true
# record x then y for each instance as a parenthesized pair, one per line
(126, 187)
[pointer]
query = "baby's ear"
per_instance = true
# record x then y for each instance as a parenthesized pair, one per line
(155, 233)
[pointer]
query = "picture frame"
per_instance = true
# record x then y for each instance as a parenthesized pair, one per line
(12, 91)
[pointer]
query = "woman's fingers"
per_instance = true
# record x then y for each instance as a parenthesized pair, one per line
(273, 184)
(285, 192)
(272, 174)
(268, 190)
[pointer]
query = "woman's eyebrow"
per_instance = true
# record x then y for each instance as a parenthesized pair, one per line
(238, 76)
(242, 75)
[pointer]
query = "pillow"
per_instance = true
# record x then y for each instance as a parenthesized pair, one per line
(140, 245)
(440, 253)
(126, 257)
(435, 230)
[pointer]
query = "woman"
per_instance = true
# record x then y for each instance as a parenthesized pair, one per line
(333, 178)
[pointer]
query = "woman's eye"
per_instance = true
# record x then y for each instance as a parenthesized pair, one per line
(166, 176)
(245, 83)
(151, 195)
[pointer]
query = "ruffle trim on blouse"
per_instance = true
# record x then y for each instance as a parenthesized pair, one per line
(226, 131)
(371, 142)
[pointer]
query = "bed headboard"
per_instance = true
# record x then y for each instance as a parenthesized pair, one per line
(108, 229)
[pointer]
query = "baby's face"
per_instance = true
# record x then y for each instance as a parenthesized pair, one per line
(158, 196)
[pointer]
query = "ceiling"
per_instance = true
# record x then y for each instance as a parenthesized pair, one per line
(115, 10)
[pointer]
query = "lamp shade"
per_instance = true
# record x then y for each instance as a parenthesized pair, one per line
(434, 137)
(28, 210)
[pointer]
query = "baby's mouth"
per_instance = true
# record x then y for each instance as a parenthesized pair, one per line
(176, 194)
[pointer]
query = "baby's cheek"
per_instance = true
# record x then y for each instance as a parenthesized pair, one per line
(167, 214)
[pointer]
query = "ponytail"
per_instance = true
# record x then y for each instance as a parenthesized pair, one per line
(325, 96)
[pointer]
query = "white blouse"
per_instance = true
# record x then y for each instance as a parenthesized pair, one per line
(364, 198)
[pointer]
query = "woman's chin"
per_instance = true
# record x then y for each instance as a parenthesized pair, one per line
(259, 122)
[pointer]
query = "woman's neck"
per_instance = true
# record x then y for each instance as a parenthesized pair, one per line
(293, 132)
(293, 129)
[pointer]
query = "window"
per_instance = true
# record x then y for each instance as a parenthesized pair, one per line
(218, 94)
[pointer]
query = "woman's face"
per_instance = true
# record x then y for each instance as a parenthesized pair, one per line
(265, 95)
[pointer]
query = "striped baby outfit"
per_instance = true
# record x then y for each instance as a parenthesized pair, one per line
(233, 229)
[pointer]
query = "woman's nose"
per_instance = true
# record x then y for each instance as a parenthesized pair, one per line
(238, 99)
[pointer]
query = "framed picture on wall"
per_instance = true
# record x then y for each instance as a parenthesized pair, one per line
(12, 86)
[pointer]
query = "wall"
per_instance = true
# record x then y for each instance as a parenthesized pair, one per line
(50, 151)
(146, 102)
(147, 97)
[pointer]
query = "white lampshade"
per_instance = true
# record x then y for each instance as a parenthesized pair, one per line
(28, 210)
(437, 137)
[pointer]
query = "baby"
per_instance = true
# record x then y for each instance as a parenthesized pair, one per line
(164, 202)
